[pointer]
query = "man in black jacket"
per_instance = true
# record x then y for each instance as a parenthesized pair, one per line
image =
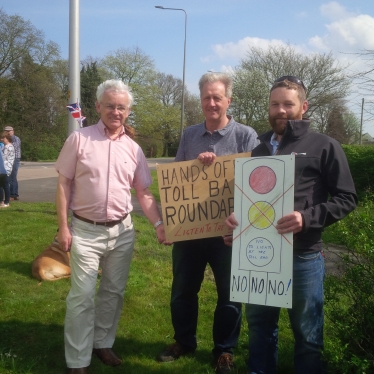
(324, 194)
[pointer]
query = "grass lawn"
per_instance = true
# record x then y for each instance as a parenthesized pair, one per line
(32, 314)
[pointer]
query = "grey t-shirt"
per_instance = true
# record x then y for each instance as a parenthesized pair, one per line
(233, 138)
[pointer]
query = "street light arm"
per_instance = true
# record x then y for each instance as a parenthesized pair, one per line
(161, 7)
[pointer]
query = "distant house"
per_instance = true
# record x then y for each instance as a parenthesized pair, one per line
(367, 139)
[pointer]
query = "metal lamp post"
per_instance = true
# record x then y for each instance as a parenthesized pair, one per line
(74, 93)
(184, 60)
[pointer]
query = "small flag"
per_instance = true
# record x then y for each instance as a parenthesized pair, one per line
(76, 112)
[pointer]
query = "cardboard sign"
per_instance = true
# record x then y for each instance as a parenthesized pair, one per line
(262, 259)
(196, 199)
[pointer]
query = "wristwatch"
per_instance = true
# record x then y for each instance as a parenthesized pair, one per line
(158, 223)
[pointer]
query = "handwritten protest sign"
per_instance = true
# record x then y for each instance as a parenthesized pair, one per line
(196, 199)
(261, 267)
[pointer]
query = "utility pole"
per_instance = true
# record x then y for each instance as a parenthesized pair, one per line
(362, 116)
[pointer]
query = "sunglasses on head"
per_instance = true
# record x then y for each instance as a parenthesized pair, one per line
(292, 79)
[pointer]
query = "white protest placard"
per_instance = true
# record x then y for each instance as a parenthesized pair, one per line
(196, 199)
(262, 259)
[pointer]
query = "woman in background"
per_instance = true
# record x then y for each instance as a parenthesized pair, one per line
(6, 165)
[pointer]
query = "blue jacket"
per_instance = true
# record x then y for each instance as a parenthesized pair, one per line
(2, 167)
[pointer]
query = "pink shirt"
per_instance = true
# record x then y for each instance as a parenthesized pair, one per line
(102, 172)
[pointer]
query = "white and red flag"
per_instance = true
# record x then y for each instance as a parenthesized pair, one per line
(76, 112)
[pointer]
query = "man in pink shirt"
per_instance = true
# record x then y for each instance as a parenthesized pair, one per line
(97, 166)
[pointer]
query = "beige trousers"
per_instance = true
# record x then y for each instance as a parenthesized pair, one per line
(89, 322)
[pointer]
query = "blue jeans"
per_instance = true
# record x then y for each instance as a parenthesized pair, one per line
(13, 178)
(4, 184)
(306, 317)
(189, 262)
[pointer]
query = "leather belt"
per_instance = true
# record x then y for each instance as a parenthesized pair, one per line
(107, 223)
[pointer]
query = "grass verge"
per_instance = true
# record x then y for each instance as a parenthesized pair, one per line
(32, 313)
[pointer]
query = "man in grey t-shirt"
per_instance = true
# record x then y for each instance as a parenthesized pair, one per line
(218, 135)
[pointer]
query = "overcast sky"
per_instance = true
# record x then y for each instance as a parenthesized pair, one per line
(218, 32)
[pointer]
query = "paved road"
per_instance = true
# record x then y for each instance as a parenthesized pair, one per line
(38, 181)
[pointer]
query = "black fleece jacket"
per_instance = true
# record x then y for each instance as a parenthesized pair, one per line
(324, 189)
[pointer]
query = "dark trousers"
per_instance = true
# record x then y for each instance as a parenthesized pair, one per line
(189, 262)
(13, 178)
(4, 184)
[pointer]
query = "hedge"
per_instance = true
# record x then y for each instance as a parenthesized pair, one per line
(361, 163)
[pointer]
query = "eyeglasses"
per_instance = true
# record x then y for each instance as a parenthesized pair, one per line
(112, 108)
(292, 79)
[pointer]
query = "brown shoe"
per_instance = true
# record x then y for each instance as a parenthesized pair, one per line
(78, 370)
(173, 352)
(107, 356)
(224, 364)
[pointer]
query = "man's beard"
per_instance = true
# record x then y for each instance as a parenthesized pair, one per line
(275, 124)
(279, 124)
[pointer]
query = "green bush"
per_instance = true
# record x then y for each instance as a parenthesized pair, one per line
(40, 152)
(360, 159)
(41, 148)
(349, 296)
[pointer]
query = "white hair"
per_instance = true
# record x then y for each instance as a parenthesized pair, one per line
(114, 85)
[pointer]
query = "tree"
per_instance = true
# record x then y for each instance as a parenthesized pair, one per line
(250, 100)
(132, 66)
(19, 38)
(320, 118)
(192, 109)
(365, 82)
(352, 128)
(157, 112)
(33, 88)
(35, 106)
(90, 79)
(324, 79)
(60, 71)
(170, 89)
(366, 77)
(337, 121)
